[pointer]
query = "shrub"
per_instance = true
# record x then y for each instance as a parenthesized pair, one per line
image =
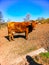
(45, 54)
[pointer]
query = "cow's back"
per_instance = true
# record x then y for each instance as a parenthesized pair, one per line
(21, 26)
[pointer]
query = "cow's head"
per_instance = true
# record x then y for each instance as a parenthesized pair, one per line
(32, 26)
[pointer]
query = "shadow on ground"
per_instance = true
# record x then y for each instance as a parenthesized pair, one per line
(16, 36)
(7, 37)
(31, 61)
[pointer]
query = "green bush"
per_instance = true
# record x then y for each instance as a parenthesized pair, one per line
(45, 54)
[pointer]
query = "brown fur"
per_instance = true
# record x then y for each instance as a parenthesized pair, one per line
(19, 27)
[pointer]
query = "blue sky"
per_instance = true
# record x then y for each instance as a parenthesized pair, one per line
(16, 10)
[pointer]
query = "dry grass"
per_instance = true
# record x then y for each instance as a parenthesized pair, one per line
(42, 58)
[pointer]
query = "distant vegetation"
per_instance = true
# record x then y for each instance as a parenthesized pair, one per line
(2, 25)
(2, 22)
(42, 20)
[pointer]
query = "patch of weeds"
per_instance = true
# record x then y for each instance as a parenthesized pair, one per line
(45, 54)
(37, 58)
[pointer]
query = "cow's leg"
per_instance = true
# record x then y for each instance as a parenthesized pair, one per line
(26, 33)
(10, 37)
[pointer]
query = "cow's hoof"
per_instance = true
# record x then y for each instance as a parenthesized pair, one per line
(12, 39)
(26, 38)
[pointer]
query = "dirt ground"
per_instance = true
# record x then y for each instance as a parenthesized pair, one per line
(9, 51)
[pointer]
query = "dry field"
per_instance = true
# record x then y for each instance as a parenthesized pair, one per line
(9, 51)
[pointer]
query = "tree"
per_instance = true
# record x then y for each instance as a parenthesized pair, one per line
(41, 20)
(47, 20)
(1, 17)
(27, 17)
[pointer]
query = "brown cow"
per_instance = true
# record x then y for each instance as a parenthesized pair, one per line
(20, 27)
